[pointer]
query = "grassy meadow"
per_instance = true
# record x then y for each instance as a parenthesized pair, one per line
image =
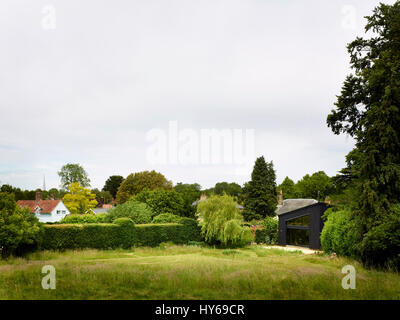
(191, 272)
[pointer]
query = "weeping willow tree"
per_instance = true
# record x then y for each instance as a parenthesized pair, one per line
(221, 222)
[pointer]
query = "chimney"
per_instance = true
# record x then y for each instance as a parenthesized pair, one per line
(280, 197)
(51, 196)
(203, 196)
(38, 195)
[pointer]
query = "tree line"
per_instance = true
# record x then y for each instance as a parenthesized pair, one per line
(258, 196)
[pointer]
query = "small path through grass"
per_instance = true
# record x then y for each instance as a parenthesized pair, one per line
(294, 249)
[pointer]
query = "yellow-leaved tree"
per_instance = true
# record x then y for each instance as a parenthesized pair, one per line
(79, 200)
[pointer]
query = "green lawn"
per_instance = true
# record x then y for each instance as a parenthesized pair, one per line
(189, 272)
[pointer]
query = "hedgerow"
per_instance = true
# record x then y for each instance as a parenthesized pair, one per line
(120, 234)
(85, 218)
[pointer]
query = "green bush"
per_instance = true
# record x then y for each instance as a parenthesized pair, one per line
(20, 231)
(166, 218)
(125, 222)
(85, 218)
(380, 246)
(120, 234)
(339, 233)
(269, 232)
(139, 212)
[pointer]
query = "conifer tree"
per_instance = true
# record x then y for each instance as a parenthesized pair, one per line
(368, 110)
(261, 195)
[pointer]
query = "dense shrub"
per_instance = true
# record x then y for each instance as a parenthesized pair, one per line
(120, 234)
(85, 218)
(163, 201)
(221, 222)
(137, 211)
(339, 233)
(268, 233)
(19, 230)
(166, 218)
(380, 246)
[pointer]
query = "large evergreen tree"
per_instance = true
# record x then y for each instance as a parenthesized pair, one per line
(261, 196)
(368, 110)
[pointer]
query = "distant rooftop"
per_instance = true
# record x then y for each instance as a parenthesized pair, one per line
(46, 206)
(294, 204)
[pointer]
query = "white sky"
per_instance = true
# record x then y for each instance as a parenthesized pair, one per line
(87, 84)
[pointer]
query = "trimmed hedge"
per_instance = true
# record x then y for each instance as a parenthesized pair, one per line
(85, 218)
(121, 234)
(75, 236)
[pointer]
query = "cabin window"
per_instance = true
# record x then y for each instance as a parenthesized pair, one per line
(298, 231)
(298, 237)
(303, 221)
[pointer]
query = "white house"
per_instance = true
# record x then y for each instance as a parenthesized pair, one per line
(45, 210)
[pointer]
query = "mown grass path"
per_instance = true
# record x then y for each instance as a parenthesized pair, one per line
(188, 272)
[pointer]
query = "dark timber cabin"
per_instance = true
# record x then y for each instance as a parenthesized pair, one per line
(300, 222)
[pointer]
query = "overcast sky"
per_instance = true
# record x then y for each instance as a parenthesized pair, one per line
(87, 81)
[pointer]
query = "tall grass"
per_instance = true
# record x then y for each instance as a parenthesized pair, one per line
(191, 272)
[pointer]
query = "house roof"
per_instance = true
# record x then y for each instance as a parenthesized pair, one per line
(47, 206)
(294, 204)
